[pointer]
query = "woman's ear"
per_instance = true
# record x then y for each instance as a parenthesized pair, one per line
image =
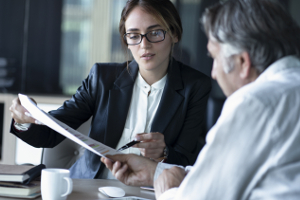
(174, 39)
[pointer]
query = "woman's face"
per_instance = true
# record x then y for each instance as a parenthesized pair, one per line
(151, 57)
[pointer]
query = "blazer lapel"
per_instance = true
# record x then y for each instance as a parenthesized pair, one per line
(118, 104)
(170, 100)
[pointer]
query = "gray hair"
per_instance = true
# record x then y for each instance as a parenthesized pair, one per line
(228, 52)
(263, 28)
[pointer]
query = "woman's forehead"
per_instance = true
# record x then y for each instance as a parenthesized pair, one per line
(138, 19)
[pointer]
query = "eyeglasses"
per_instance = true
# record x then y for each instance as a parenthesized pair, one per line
(152, 36)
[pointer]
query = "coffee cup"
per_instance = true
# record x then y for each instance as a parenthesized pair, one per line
(56, 184)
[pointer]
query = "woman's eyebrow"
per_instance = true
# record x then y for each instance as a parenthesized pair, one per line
(132, 29)
(153, 26)
(149, 28)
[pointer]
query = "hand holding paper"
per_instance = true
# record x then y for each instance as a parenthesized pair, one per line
(19, 113)
(85, 141)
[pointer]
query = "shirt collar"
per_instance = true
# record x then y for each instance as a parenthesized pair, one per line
(288, 62)
(157, 85)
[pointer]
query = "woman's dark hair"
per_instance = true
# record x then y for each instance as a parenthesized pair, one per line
(263, 28)
(163, 10)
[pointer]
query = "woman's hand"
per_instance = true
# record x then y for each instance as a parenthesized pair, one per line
(152, 145)
(20, 114)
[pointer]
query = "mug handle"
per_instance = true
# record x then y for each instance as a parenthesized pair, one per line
(70, 186)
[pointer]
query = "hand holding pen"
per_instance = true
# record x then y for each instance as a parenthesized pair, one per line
(130, 144)
(151, 144)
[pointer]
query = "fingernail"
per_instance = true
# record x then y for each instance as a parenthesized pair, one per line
(28, 114)
(137, 138)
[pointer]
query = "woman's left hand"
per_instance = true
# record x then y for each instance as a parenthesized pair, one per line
(152, 145)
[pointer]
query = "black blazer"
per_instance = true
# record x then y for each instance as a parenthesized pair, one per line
(106, 94)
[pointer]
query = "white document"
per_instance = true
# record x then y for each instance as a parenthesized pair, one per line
(81, 139)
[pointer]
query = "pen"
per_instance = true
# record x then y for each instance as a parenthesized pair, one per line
(126, 146)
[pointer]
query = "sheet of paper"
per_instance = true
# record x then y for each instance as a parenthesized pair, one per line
(81, 139)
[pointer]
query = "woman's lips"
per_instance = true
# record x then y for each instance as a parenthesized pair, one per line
(147, 56)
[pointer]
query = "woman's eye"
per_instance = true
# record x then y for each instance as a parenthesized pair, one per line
(154, 33)
(133, 37)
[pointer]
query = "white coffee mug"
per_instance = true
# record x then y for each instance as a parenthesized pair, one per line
(56, 184)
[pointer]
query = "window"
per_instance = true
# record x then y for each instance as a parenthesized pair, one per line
(89, 35)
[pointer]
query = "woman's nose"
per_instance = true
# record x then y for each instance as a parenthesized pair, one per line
(145, 43)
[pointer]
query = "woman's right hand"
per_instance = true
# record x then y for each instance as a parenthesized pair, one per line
(19, 113)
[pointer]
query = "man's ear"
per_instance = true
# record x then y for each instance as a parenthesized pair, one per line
(245, 65)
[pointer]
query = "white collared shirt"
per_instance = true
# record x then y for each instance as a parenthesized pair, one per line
(144, 103)
(253, 151)
(142, 110)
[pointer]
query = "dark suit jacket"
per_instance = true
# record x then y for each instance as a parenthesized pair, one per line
(106, 94)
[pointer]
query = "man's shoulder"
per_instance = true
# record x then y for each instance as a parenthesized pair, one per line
(280, 80)
(269, 93)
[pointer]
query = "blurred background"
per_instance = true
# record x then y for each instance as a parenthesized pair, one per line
(47, 47)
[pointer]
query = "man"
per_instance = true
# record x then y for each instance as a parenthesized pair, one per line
(253, 151)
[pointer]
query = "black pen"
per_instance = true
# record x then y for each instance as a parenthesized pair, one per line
(130, 144)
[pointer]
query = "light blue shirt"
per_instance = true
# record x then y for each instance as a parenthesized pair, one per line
(253, 151)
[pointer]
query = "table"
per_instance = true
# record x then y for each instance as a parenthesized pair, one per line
(87, 189)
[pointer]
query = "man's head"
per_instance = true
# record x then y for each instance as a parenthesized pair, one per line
(245, 37)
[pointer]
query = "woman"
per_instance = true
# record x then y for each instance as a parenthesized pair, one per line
(154, 99)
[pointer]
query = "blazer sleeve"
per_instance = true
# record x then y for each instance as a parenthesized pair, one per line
(73, 112)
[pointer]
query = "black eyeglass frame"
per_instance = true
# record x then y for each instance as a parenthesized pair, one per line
(145, 35)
